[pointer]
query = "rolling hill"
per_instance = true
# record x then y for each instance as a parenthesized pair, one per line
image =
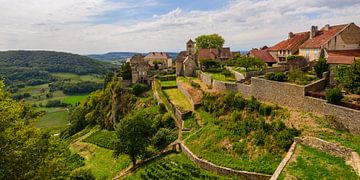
(20, 68)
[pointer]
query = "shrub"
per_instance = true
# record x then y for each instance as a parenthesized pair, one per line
(334, 96)
(163, 138)
(265, 110)
(320, 67)
(210, 65)
(139, 89)
(195, 85)
(278, 76)
(82, 174)
(253, 104)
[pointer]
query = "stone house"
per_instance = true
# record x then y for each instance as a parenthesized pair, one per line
(288, 47)
(332, 42)
(140, 69)
(162, 57)
(219, 54)
(264, 55)
(186, 61)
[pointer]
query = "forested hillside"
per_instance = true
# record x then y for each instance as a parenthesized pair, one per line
(35, 67)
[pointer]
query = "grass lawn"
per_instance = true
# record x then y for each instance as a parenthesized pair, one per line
(102, 138)
(172, 166)
(54, 119)
(76, 77)
(309, 163)
(75, 99)
(222, 77)
(178, 99)
(168, 83)
(209, 142)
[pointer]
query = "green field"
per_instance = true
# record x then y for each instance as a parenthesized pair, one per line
(172, 166)
(309, 163)
(55, 119)
(74, 99)
(76, 77)
(178, 99)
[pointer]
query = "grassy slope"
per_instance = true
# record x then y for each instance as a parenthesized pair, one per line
(178, 166)
(207, 144)
(221, 77)
(102, 138)
(178, 99)
(99, 160)
(55, 119)
(76, 77)
(308, 163)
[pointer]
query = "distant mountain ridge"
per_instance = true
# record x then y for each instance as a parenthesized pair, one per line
(121, 56)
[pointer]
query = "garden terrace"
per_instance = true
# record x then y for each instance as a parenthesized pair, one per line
(225, 77)
(241, 134)
(309, 163)
(190, 89)
(178, 99)
(298, 77)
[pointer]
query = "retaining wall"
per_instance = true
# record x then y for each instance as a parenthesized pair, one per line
(205, 78)
(222, 170)
(224, 86)
(284, 94)
(189, 97)
(284, 162)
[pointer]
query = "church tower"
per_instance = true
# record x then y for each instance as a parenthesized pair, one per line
(190, 47)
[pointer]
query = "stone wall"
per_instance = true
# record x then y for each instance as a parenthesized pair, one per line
(238, 76)
(222, 170)
(223, 86)
(318, 85)
(284, 94)
(167, 78)
(207, 79)
(349, 118)
(284, 162)
(188, 96)
(244, 89)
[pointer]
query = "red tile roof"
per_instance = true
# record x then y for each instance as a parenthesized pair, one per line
(157, 55)
(323, 36)
(292, 43)
(263, 55)
(215, 53)
(342, 56)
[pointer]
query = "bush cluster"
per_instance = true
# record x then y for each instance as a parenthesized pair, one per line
(276, 76)
(138, 89)
(334, 96)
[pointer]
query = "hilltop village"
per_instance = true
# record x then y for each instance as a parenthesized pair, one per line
(315, 72)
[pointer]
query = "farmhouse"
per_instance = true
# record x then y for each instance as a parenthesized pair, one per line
(219, 54)
(159, 60)
(337, 43)
(140, 69)
(289, 46)
(264, 55)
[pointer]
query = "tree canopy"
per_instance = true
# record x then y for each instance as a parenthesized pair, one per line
(25, 151)
(210, 41)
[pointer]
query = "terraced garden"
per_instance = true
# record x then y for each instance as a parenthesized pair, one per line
(178, 99)
(309, 163)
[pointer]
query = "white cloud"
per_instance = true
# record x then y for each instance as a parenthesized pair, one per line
(67, 25)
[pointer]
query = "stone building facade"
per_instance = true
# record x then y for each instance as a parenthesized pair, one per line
(186, 61)
(140, 69)
(162, 58)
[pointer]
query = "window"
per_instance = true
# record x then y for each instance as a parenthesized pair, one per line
(315, 52)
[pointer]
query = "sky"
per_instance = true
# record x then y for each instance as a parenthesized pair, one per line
(100, 26)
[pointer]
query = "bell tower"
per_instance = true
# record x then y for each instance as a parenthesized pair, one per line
(190, 47)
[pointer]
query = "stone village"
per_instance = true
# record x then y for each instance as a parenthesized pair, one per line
(339, 45)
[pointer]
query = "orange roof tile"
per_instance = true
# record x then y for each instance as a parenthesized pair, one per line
(292, 43)
(323, 36)
(263, 55)
(342, 56)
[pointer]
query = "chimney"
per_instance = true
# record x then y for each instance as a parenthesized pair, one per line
(313, 31)
(327, 27)
(291, 34)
